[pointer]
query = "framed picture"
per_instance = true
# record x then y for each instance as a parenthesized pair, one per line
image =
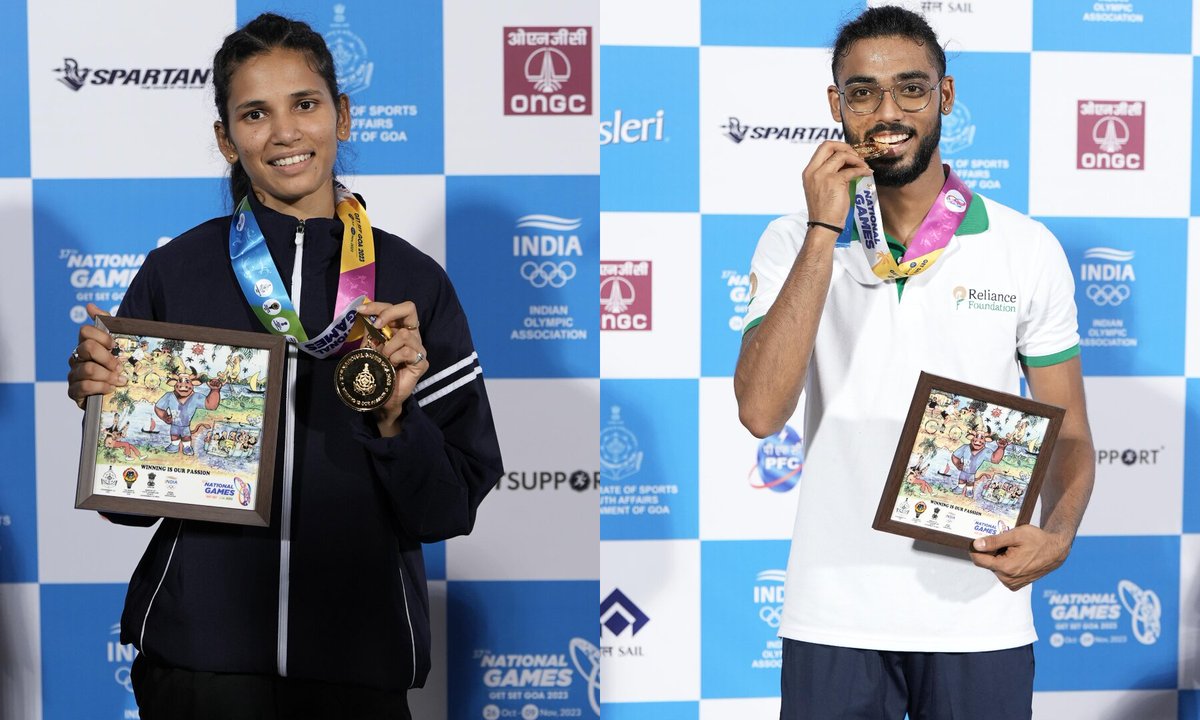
(969, 463)
(192, 433)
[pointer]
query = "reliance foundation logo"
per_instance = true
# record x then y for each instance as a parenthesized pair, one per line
(779, 463)
(1111, 135)
(984, 299)
(625, 294)
(548, 71)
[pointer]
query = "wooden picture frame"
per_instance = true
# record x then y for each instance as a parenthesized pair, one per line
(969, 463)
(136, 458)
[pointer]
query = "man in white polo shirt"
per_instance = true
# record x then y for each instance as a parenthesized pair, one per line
(894, 268)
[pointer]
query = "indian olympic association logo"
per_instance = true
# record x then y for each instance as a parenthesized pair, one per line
(780, 461)
(350, 62)
(958, 132)
(120, 655)
(547, 70)
(768, 596)
(547, 243)
(619, 454)
(625, 287)
(1107, 274)
(1111, 135)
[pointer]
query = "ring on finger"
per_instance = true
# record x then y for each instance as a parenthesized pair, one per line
(75, 355)
(420, 357)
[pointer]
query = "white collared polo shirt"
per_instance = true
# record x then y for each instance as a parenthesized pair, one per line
(1000, 294)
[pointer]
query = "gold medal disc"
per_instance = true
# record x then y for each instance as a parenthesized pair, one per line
(364, 379)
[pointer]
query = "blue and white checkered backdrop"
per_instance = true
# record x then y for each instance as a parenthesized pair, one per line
(1077, 112)
(482, 176)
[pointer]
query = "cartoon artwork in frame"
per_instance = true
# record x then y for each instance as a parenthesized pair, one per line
(192, 432)
(969, 463)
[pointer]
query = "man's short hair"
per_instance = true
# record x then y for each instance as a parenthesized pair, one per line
(888, 21)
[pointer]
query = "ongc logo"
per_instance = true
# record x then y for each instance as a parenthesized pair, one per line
(548, 71)
(1111, 135)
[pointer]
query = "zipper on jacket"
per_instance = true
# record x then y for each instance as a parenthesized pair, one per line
(289, 443)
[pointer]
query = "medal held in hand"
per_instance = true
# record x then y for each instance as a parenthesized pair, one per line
(364, 377)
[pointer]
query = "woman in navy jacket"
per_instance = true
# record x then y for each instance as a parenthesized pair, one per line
(325, 612)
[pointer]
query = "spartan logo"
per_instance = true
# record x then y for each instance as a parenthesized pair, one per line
(735, 130)
(72, 77)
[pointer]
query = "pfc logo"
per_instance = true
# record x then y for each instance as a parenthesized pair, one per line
(1111, 135)
(548, 71)
(625, 287)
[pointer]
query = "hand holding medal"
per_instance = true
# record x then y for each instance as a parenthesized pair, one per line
(381, 375)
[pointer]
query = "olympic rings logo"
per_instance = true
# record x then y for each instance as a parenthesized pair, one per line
(548, 273)
(1108, 294)
(772, 615)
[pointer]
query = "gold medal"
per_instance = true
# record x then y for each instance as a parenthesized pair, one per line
(364, 378)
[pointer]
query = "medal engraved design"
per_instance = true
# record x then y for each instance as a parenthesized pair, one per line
(870, 149)
(363, 382)
(364, 378)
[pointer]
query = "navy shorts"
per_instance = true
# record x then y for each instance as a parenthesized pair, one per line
(822, 682)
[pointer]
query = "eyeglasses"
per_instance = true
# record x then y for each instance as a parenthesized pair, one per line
(909, 95)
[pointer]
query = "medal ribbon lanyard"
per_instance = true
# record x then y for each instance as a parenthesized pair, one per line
(933, 235)
(265, 291)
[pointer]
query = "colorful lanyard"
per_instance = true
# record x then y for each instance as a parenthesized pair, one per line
(267, 295)
(927, 243)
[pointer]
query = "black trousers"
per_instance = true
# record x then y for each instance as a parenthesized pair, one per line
(166, 693)
(822, 682)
